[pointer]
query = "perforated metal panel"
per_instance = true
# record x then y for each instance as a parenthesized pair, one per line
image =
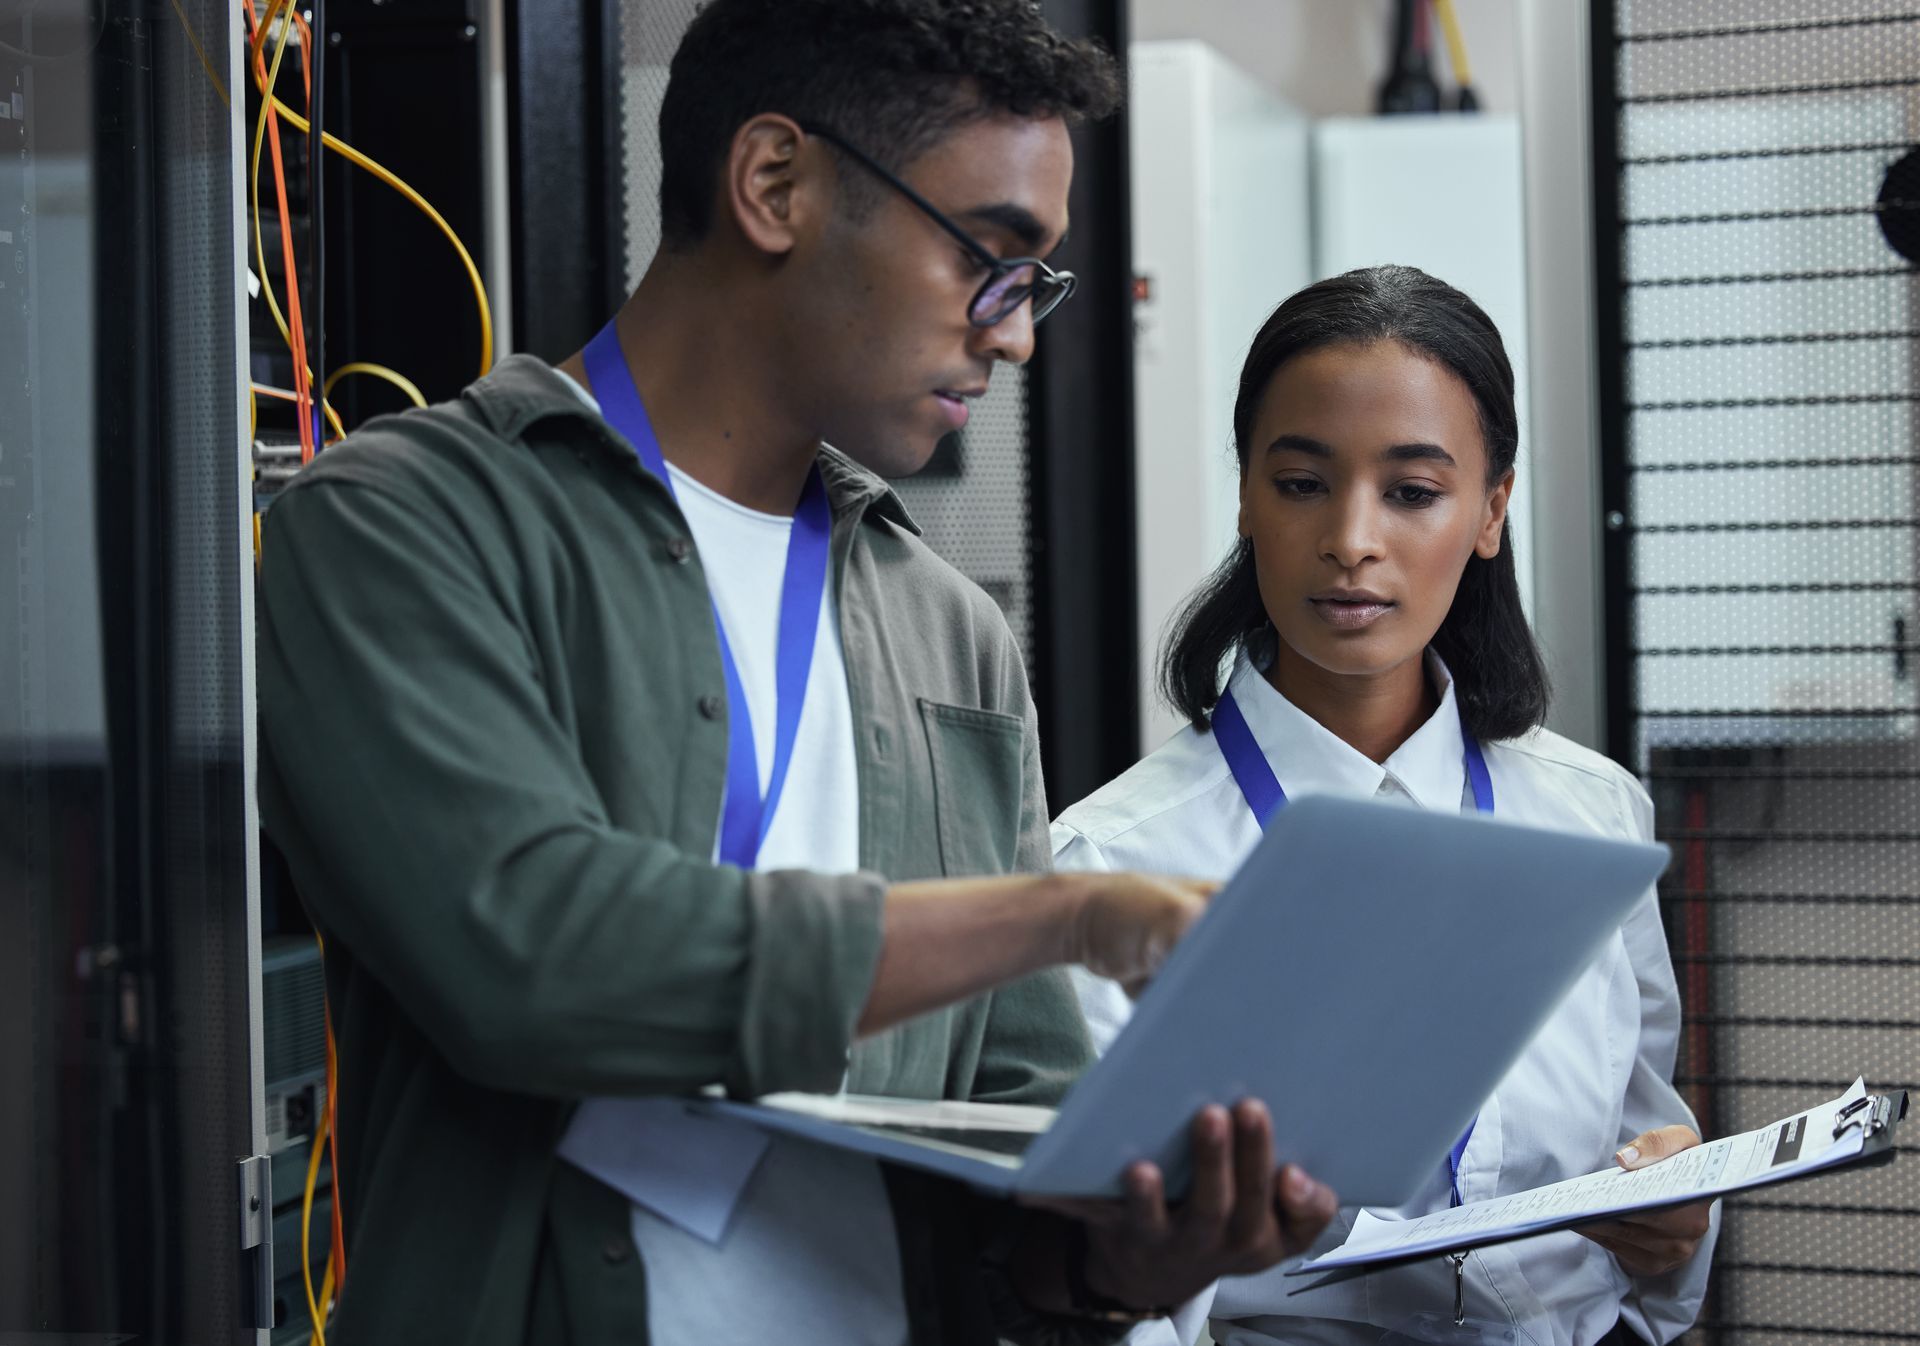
(977, 516)
(649, 35)
(1759, 392)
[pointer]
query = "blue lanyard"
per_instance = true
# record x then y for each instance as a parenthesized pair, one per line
(746, 816)
(1261, 789)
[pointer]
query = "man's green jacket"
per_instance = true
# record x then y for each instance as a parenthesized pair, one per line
(493, 746)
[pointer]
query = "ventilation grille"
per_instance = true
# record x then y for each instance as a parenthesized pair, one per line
(1760, 404)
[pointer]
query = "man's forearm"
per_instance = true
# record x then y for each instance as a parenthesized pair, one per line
(948, 940)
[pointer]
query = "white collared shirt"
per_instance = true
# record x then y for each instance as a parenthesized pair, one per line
(1595, 1077)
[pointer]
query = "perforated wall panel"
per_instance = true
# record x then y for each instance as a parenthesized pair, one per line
(1759, 390)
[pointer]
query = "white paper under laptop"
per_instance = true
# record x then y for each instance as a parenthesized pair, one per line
(1371, 972)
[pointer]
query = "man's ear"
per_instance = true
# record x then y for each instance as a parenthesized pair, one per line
(773, 181)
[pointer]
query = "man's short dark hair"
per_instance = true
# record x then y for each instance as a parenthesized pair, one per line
(893, 76)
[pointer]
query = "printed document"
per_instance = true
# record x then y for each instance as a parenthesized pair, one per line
(1786, 1149)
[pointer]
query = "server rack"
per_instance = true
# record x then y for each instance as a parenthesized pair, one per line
(127, 948)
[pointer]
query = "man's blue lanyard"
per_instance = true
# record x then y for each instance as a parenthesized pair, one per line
(1261, 789)
(745, 817)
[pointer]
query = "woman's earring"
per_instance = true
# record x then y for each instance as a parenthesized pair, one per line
(1262, 646)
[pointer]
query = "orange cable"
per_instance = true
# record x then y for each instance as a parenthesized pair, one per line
(306, 52)
(295, 324)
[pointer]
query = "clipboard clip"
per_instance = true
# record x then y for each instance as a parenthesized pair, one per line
(1872, 1114)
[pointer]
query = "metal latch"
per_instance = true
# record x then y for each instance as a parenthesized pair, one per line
(256, 1232)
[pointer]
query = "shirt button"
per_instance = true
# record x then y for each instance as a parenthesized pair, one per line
(680, 549)
(616, 1251)
(710, 706)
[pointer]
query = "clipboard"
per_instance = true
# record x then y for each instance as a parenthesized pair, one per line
(1860, 1128)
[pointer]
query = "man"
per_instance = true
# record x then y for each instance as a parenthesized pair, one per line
(596, 705)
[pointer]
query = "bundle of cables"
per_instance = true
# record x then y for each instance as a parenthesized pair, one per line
(1410, 85)
(314, 418)
(282, 18)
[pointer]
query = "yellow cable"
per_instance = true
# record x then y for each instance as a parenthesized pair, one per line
(359, 160)
(355, 157)
(400, 381)
(1456, 42)
(326, 1300)
(306, 1230)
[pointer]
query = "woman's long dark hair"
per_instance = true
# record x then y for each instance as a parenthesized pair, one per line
(1498, 674)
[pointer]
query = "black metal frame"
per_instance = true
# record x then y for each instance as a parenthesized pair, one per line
(564, 176)
(1616, 538)
(140, 1136)
(1080, 438)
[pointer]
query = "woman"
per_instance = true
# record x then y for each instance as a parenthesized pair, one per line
(1378, 647)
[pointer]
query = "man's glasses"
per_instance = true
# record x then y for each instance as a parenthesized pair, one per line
(1010, 282)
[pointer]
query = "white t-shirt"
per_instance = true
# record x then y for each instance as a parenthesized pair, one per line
(1596, 1075)
(810, 1252)
(817, 825)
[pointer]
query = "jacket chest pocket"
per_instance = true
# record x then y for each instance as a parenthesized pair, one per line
(976, 759)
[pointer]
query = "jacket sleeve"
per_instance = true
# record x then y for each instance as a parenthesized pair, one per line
(1658, 1308)
(442, 826)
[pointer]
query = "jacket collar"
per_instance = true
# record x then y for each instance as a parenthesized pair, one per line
(522, 391)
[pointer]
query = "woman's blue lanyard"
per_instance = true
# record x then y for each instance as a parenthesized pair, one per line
(1263, 794)
(746, 816)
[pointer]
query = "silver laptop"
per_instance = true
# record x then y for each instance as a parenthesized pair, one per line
(1370, 973)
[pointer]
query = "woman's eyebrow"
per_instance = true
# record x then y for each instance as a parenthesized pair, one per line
(1313, 448)
(1398, 453)
(1404, 453)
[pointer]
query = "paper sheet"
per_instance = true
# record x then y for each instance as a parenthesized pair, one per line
(686, 1166)
(1794, 1145)
(949, 1113)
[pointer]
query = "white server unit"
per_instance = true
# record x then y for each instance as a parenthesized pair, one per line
(1221, 234)
(1442, 193)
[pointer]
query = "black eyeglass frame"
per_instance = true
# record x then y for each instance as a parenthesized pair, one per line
(997, 268)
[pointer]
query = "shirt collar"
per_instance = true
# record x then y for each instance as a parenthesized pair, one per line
(1309, 758)
(522, 391)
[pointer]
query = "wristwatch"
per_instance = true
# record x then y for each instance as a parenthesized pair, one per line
(1086, 1301)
